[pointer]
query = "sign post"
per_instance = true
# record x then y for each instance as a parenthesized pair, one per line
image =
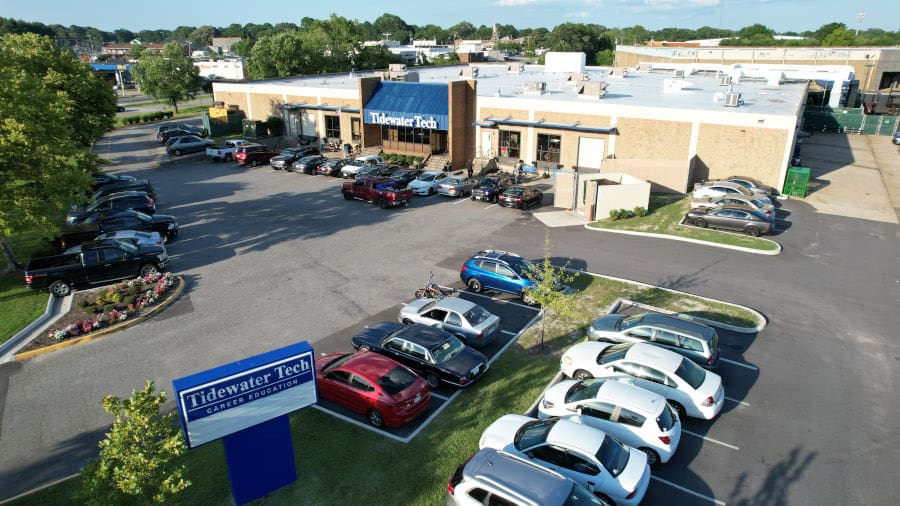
(247, 403)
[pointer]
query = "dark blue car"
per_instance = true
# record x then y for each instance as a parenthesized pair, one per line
(497, 270)
(432, 353)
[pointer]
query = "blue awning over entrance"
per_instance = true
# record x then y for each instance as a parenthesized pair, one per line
(416, 105)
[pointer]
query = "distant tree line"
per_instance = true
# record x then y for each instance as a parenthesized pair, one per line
(335, 44)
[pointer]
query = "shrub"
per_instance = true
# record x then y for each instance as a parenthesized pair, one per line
(408, 159)
(417, 160)
(640, 211)
(134, 289)
(275, 125)
(83, 303)
(112, 296)
(94, 309)
(108, 307)
(159, 115)
(150, 116)
(129, 299)
(169, 114)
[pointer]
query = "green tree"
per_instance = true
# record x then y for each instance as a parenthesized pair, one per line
(137, 462)
(136, 51)
(201, 37)
(390, 23)
(51, 108)
(278, 55)
(549, 290)
(840, 37)
(170, 76)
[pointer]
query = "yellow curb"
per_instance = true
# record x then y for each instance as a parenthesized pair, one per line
(108, 330)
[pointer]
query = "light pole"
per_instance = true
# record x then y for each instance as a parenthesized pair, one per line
(859, 17)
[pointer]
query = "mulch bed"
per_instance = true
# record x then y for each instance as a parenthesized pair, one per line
(151, 293)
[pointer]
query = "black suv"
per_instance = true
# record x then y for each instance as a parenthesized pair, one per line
(490, 187)
(136, 185)
(114, 202)
(290, 155)
(165, 224)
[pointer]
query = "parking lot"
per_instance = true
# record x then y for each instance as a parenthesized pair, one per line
(272, 258)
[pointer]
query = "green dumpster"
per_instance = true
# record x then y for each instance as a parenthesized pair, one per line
(796, 181)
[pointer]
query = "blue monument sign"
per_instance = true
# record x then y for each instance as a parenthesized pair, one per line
(246, 403)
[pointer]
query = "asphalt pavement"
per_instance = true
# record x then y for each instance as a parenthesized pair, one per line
(272, 258)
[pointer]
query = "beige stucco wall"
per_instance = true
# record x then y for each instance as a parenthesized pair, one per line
(663, 175)
(631, 192)
(652, 139)
(724, 151)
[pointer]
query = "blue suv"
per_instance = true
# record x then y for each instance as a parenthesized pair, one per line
(497, 270)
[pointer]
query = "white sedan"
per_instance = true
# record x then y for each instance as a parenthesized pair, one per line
(637, 417)
(587, 456)
(690, 389)
(464, 319)
(721, 188)
(427, 182)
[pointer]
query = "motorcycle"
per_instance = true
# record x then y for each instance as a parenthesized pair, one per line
(433, 290)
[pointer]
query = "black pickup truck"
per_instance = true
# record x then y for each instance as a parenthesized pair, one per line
(94, 263)
(124, 220)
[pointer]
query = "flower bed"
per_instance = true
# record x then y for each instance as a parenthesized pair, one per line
(99, 308)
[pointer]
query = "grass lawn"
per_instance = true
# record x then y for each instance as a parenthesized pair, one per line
(191, 111)
(20, 305)
(340, 463)
(665, 214)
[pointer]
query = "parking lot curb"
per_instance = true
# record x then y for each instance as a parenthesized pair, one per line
(694, 241)
(763, 321)
(55, 308)
(108, 330)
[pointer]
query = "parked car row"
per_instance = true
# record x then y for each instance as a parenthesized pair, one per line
(112, 238)
(737, 203)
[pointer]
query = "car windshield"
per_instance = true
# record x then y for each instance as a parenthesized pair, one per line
(488, 181)
(631, 321)
(613, 353)
(427, 177)
(476, 315)
(396, 380)
(666, 419)
(533, 433)
(289, 152)
(613, 455)
(759, 214)
(515, 191)
(757, 203)
(337, 362)
(691, 373)
(452, 180)
(127, 246)
(583, 390)
(580, 496)
(447, 350)
(519, 264)
(742, 190)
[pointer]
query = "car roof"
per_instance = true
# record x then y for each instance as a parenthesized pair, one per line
(655, 356)
(679, 323)
(736, 207)
(119, 195)
(454, 304)
(575, 435)
(370, 364)
(424, 335)
(629, 396)
(518, 477)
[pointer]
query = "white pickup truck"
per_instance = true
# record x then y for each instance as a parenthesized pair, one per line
(225, 152)
(352, 168)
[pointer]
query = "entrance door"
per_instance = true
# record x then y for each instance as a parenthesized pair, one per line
(487, 137)
(590, 153)
(308, 123)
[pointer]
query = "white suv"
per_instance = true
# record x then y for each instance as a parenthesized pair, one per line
(494, 477)
(352, 168)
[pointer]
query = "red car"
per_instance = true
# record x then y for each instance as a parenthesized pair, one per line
(254, 154)
(385, 391)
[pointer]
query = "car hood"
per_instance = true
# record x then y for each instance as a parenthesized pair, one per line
(608, 323)
(418, 183)
(282, 158)
(373, 335)
(464, 362)
(149, 249)
(75, 217)
(502, 432)
(163, 218)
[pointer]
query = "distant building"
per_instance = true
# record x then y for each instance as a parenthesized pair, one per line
(222, 45)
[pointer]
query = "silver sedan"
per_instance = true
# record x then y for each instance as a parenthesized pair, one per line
(457, 186)
(465, 319)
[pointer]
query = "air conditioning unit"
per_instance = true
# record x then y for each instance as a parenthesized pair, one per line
(724, 80)
(535, 88)
(732, 99)
(468, 72)
(678, 73)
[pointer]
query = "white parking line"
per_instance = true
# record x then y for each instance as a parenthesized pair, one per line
(740, 364)
(439, 396)
(711, 440)
(688, 491)
(525, 306)
(490, 206)
(508, 332)
(461, 200)
(742, 403)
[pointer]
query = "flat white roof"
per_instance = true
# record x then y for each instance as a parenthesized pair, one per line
(653, 88)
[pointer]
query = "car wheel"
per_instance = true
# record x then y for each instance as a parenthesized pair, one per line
(652, 456)
(383, 203)
(433, 381)
(228, 157)
(363, 347)
(581, 374)
(348, 196)
(60, 288)
(472, 197)
(430, 191)
(177, 152)
(254, 163)
(678, 409)
(375, 418)
(753, 231)
(474, 285)
(700, 222)
(149, 269)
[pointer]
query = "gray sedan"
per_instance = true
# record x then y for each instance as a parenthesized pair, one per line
(455, 186)
(465, 319)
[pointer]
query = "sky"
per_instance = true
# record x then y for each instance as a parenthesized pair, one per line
(778, 15)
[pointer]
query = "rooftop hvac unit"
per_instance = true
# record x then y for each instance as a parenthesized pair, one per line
(678, 73)
(468, 72)
(396, 67)
(535, 88)
(515, 68)
(724, 80)
(594, 89)
(577, 76)
(732, 99)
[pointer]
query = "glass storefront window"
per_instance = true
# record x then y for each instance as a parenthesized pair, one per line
(509, 144)
(548, 148)
(332, 127)
(355, 129)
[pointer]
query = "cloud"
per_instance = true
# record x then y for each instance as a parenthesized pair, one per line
(517, 3)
